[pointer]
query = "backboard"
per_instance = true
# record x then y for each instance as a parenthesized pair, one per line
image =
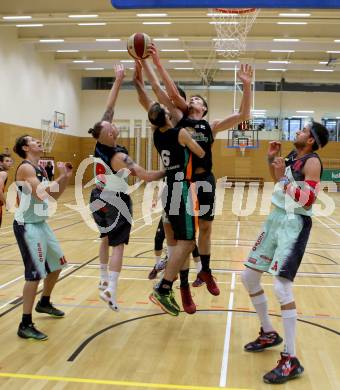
(224, 4)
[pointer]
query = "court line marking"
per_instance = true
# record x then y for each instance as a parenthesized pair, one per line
(237, 233)
(327, 226)
(11, 281)
(110, 382)
(194, 270)
(224, 367)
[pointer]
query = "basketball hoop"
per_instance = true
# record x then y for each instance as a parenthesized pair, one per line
(242, 147)
(232, 27)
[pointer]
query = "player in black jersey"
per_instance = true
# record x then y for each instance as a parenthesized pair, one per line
(6, 163)
(173, 146)
(191, 116)
(110, 204)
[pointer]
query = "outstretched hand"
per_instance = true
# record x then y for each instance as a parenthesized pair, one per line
(153, 52)
(245, 74)
(119, 72)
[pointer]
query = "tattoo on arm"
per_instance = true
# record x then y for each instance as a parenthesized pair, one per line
(108, 115)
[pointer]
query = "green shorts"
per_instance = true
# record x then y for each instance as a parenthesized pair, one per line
(39, 249)
(281, 245)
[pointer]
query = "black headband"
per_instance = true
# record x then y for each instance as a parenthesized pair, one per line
(316, 137)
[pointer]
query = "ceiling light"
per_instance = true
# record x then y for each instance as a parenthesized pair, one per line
(16, 17)
(229, 61)
(165, 39)
(276, 69)
(83, 16)
(51, 40)
(152, 15)
(337, 40)
(184, 68)
(305, 111)
(279, 62)
(227, 69)
(68, 51)
(286, 40)
(172, 50)
(117, 50)
(108, 39)
(92, 24)
(283, 51)
(179, 61)
(294, 15)
(228, 50)
(30, 25)
(94, 68)
(323, 62)
(323, 70)
(333, 51)
(157, 23)
(82, 61)
(224, 22)
(292, 23)
(127, 61)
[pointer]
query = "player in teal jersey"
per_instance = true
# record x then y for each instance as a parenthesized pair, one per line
(282, 242)
(40, 250)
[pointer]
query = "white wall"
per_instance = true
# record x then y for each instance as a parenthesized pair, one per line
(220, 105)
(32, 85)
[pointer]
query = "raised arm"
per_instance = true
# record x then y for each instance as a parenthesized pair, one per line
(273, 152)
(111, 100)
(185, 139)
(121, 160)
(26, 173)
(245, 74)
(161, 95)
(138, 81)
(169, 84)
(3, 177)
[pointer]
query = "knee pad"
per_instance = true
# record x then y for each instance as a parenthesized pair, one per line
(251, 280)
(284, 290)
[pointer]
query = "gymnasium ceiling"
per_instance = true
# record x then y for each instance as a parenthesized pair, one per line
(316, 35)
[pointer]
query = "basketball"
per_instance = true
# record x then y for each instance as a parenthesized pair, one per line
(137, 45)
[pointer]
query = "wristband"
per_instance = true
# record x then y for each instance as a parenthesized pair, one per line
(285, 181)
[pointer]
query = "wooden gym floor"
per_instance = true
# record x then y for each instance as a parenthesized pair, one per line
(140, 347)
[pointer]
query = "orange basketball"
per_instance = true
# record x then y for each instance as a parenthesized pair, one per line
(137, 45)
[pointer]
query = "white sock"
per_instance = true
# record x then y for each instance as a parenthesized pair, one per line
(103, 272)
(198, 265)
(170, 250)
(261, 307)
(158, 259)
(113, 282)
(289, 318)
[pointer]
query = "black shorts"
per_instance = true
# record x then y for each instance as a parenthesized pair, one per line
(112, 214)
(179, 205)
(205, 195)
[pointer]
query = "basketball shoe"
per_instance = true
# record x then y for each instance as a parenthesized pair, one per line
(288, 368)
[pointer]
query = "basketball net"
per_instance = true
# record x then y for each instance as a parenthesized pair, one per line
(48, 135)
(242, 147)
(232, 27)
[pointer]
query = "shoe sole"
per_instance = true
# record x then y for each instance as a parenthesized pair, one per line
(108, 303)
(284, 380)
(156, 302)
(263, 349)
(32, 338)
(51, 315)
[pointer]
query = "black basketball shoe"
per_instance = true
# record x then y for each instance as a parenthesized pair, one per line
(288, 368)
(264, 341)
